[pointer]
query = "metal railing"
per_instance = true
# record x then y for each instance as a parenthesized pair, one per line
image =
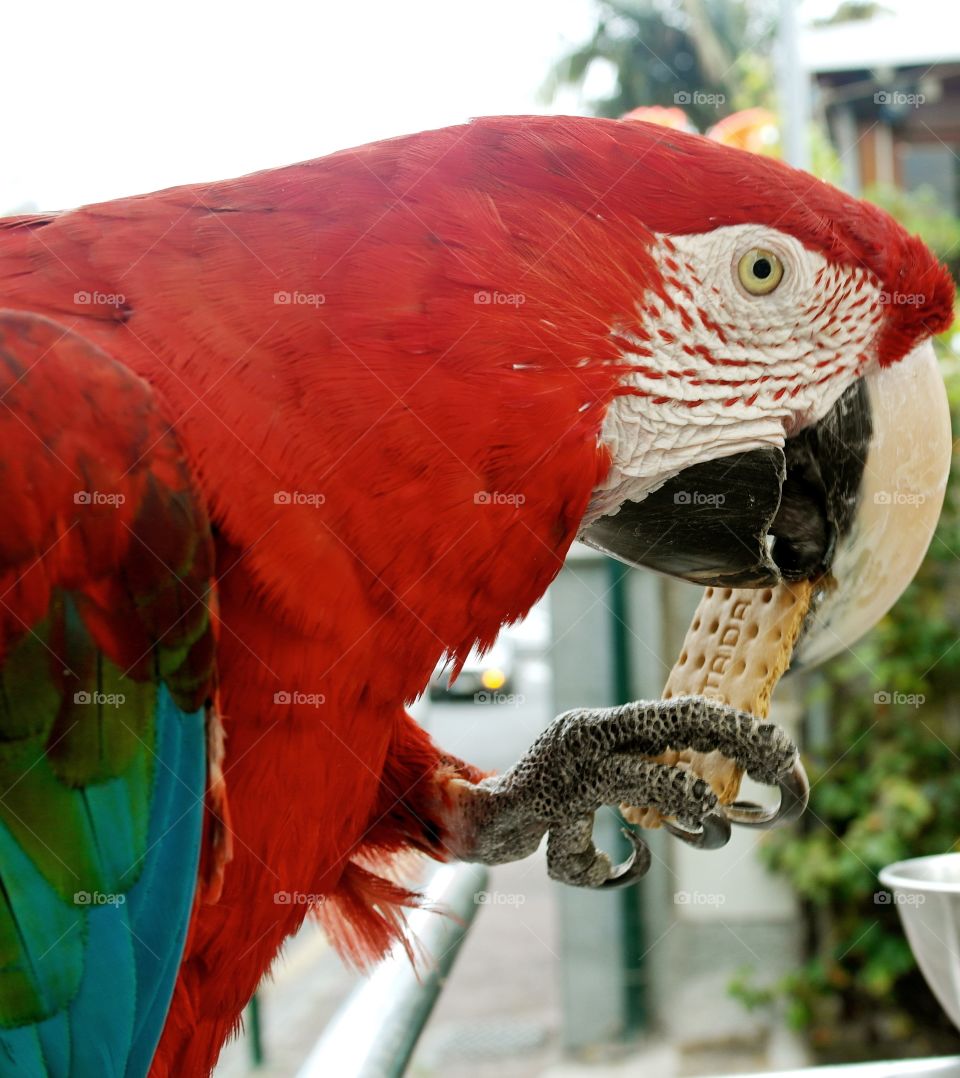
(941, 1067)
(374, 1033)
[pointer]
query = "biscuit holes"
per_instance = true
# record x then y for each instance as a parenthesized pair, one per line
(682, 661)
(714, 626)
(739, 667)
(695, 626)
(667, 694)
(709, 593)
(701, 661)
(766, 595)
(753, 630)
(727, 592)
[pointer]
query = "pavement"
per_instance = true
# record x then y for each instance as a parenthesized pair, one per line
(502, 994)
(499, 1015)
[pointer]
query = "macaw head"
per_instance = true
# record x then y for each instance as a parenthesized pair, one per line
(782, 416)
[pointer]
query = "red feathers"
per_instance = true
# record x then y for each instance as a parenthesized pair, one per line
(388, 371)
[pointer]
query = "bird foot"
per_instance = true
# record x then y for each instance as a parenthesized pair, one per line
(589, 758)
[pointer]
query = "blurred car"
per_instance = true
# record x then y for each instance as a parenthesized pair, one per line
(484, 677)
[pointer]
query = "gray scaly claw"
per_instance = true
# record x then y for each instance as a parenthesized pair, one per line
(587, 759)
(714, 832)
(634, 868)
(794, 794)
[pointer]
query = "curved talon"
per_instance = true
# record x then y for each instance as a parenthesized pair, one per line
(794, 792)
(634, 868)
(714, 832)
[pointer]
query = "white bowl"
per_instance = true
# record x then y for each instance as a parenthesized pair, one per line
(926, 892)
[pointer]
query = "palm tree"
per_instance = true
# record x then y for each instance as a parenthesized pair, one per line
(711, 57)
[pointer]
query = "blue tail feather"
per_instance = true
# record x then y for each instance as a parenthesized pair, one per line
(129, 945)
(164, 884)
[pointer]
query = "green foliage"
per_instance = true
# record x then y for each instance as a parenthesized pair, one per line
(852, 11)
(885, 782)
(716, 52)
(885, 779)
(824, 161)
(921, 211)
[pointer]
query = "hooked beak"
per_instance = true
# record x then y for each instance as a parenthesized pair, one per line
(851, 501)
(900, 498)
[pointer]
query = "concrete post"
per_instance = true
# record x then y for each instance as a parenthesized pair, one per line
(667, 949)
(594, 659)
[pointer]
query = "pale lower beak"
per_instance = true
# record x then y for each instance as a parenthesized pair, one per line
(898, 505)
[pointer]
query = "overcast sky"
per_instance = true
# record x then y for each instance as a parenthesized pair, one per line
(107, 99)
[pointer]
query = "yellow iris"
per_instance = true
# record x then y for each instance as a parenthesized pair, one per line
(760, 271)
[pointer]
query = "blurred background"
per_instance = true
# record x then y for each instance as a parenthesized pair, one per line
(773, 952)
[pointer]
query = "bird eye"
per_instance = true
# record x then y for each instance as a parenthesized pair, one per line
(760, 271)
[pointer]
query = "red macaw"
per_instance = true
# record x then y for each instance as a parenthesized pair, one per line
(273, 447)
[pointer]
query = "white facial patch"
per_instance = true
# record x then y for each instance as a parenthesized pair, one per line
(716, 370)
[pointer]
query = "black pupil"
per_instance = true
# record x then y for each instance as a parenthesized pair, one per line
(762, 268)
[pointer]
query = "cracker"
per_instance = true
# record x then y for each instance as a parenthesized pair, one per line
(738, 646)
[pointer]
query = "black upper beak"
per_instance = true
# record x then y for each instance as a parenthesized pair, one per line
(855, 497)
(750, 519)
(709, 524)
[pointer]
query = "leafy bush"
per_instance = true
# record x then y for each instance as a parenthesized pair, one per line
(885, 779)
(922, 212)
(711, 57)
